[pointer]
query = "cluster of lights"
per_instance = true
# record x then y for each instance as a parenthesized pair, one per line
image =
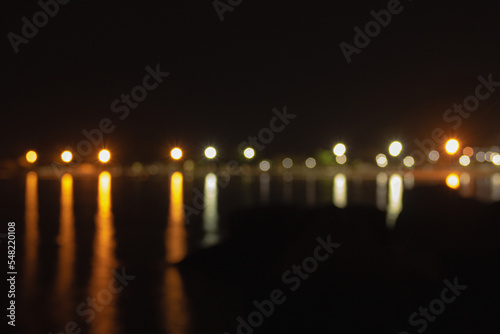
(452, 146)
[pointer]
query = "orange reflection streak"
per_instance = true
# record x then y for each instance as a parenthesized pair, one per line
(175, 240)
(177, 317)
(66, 240)
(31, 236)
(104, 260)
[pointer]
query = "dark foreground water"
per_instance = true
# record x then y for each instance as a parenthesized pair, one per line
(181, 255)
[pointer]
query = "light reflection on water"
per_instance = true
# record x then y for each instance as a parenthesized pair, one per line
(31, 237)
(381, 197)
(340, 190)
(104, 261)
(210, 213)
(174, 301)
(63, 285)
(395, 205)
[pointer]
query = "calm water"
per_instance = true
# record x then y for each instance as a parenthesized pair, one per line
(73, 233)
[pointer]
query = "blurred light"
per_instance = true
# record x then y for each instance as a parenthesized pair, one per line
(395, 198)
(381, 160)
(395, 148)
(31, 156)
(452, 146)
(341, 159)
(66, 156)
(104, 156)
(468, 151)
(188, 165)
(409, 161)
(496, 160)
(453, 181)
(249, 153)
(340, 191)
(487, 156)
(433, 156)
(465, 178)
(176, 153)
(339, 149)
(287, 163)
(310, 163)
(464, 160)
(480, 156)
(264, 165)
(210, 152)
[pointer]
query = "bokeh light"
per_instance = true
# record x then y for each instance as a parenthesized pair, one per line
(453, 181)
(339, 149)
(104, 156)
(31, 157)
(310, 163)
(341, 159)
(264, 165)
(395, 148)
(210, 152)
(409, 161)
(480, 156)
(66, 156)
(381, 160)
(452, 146)
(287, 163)
(433, 156)
(249, 153)
(464, 160)
(176, 153)
(468, 151)
(496, 160)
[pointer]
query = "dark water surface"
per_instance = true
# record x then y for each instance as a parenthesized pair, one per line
(123, 255)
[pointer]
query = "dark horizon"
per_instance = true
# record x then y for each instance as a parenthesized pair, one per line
(226, 77)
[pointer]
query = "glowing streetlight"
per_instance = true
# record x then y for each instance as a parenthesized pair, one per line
(464, 160)
(287, 163)
(395, 148)
(176, 153)
(210, 152)
(452, 146)
(66, 156)
(249, 153)
(264, 165)
(339, 149)
(104, 156)
(31, 157)
(409, 161)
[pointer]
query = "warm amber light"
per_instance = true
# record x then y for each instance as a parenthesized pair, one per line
(210, 152)
(395, 148)
(104, 156)
(176, 153)
(453, 181)
(249, 153)
(31, 157)
(66, 156)
(452, 146)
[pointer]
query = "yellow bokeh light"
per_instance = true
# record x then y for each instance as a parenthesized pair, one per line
(339, 149)
(381, 160)
(395, 148)
(66, 156)
(210, 152)
(341, 159)
(409, 161)
(464, 160)
(264, 165)
(249, 153)
(453, 181)
(452, 146)
(31, 156)
(310, 162)
(287, 163)
(104, 156)
(176, 153)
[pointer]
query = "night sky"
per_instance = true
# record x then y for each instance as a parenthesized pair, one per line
(226, 77)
